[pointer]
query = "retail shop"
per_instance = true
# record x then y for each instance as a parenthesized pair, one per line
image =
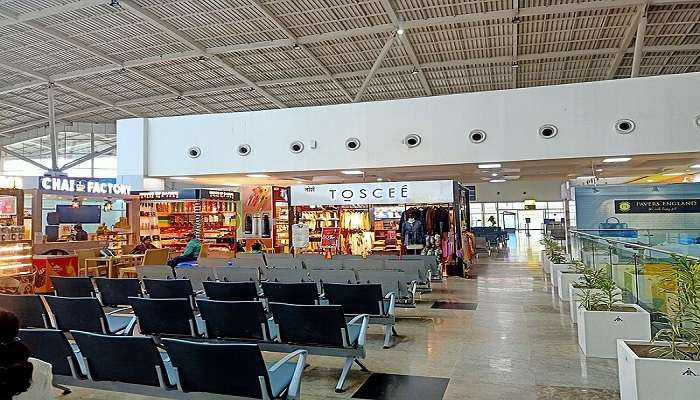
(214, 216)
(265, 218)
(382, 217)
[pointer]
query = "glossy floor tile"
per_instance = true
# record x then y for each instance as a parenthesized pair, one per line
(407, 387)
(517, 344)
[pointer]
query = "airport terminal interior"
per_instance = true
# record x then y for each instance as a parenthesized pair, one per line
(336, 199)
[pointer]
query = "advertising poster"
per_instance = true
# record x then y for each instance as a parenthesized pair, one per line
(330, 237)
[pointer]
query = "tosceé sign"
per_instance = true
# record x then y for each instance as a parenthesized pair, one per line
(431, 192)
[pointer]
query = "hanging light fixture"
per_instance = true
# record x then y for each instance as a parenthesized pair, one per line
(108, 206)
(75, 203)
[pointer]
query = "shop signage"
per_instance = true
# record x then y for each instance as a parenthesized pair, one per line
(672, 206)
(300, 236)
(158, 195)
(431, 192)
(329, 237)
(11, 182)
(219, 194)
(103, 186)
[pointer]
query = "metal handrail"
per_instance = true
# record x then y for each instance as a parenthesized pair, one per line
(632, 245)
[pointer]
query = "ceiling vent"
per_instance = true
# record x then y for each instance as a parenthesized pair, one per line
(548, 131)
(194, 152)
(477, 136)
(352, 144)
(243, 150)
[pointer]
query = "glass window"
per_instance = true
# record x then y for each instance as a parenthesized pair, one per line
(489, 207)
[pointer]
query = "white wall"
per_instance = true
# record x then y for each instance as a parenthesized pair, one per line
(513, 191)
(664, 109)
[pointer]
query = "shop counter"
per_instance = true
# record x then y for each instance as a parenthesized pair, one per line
(47, 266)
(68, 247)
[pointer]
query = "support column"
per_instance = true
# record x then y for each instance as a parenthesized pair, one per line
(52, 128)
(639, 44)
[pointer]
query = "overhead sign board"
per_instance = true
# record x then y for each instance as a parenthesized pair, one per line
(673, 206)
(100, 186)
(426, 192)
(159, 195)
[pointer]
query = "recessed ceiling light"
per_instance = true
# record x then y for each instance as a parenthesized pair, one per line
(674, 174)
(380, 179)
(650, 181)
(696, 166)
(400, 31)
(352, 172)
(258, 176)
(487, 166)
(586, 177)
(599, 170)
(497, 180)
(617, 159)
(494, 174)
(182, 178)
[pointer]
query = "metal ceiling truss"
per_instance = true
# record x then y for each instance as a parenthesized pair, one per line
(505, 48)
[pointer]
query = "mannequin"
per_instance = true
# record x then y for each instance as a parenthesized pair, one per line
(412, 231)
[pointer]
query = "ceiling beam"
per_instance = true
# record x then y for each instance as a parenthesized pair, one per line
(406, 43)
(25, 159)
(167, 28)
(630, 31)
(375, 66)
(291, 36)
(639, 43)
(24, 109)
(63, 117)
(88, 157)
(49, 11)
(515, 22)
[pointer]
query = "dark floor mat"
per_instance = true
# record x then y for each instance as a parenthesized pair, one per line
(404, 387)
(449, 305)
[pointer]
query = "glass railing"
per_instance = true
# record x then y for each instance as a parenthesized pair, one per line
(641, 266)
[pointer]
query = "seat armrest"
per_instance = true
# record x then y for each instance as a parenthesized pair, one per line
(391, 296)
(412, 288)
(118, 310)
(295, 384)
(363, 329)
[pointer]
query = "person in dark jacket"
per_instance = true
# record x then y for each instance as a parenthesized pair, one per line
(146, 244)
(80, 234)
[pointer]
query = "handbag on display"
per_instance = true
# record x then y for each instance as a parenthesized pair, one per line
(613, 227)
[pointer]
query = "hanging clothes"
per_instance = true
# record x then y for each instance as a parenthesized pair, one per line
(412, 233)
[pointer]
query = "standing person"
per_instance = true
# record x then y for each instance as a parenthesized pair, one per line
(80, 234)
(146, 244)
(15, 367)
(190, 253)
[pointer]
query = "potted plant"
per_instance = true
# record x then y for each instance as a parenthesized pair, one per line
(568, 276)
(603, 318)
(586, 283)
(558, 261)
(548, 243)
(668, 366)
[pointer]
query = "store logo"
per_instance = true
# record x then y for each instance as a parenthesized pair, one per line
(689, 372)
(618, 319)
(83, 185)
(310, 189)
(624, 206)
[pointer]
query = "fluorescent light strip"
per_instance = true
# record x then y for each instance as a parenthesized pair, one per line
(497, 180)
(696, 166)
(489, 166)
(258, 176)
(352, 172)
(182, 178)
(617, 159)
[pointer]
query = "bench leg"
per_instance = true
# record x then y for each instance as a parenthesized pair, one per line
(362, 366)
(388, 330)
(66, 390)
(344, 375)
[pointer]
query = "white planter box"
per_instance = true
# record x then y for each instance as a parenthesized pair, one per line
(574, 294)
(555, 268)
(543, 257)
(653, 378)
(547, 266)
(598, 331)
(564, 280)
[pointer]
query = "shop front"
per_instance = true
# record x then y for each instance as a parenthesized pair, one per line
(422, 217)
(213, 215)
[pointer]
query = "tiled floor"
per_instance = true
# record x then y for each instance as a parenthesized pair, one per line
(518, 344)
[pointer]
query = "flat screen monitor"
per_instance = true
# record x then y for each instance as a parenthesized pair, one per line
(79, 215)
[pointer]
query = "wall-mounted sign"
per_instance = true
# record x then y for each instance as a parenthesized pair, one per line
(472, 192)
(219, 194)
(159, 195)
(672, 206)
(329, 237)
(104, 186)
(11, 182)
(530, 204)
(431, 192)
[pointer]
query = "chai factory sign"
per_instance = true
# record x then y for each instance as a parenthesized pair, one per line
(672, 206)
(431, 192)
(104, 186)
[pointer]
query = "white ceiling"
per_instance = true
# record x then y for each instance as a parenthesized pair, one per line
(141, 58)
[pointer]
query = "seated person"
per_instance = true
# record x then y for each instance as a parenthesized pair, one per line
(80, 234)
(191, 251)
(146, 244)
(257, 247)
(21, 377)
